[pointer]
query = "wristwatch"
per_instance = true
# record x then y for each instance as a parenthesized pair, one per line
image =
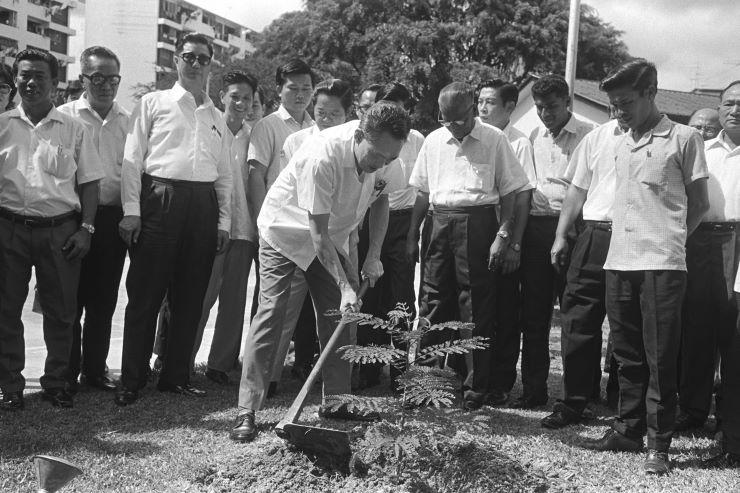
(503, 234)
(516, 247)
(88, 227)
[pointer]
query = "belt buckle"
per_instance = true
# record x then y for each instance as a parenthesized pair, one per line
(29, 223)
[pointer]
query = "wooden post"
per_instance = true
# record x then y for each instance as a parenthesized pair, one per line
(572, 53)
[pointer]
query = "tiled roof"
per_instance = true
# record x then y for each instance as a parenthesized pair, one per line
(669, 102)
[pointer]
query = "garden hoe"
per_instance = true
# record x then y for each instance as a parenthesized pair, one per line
(313, 438)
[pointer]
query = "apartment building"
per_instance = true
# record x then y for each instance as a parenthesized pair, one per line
(37, 24)
(143, 33)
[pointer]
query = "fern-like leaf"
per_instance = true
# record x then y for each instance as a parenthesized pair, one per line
(425, 385)
(452, 325)
(457, 346)
(353, 403)
(371, 354)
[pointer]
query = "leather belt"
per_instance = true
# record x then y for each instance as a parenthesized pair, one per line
(471, 209)
(38, 222)
(603, 225)
(716, 226)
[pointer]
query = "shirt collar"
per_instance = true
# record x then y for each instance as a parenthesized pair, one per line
(52, 115)
(571, 126)
(84, 103)
(721, 140)
(178, 93)
(283, 113)
(475, 132)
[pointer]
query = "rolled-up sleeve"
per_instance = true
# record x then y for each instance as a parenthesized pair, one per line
(694, 163)
(137, 144)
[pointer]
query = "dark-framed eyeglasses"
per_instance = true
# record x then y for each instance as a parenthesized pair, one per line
(190, 58)
(5, 89)
(458, 123)
(707, 129)
(100, 79)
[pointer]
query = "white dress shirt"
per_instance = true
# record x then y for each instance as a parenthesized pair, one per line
(321, 178)
(171, 137)
(294, 142)
(405, 198)
(41, 165)
(242, 224)
(477, 171)
(109, 136)
(723, 186)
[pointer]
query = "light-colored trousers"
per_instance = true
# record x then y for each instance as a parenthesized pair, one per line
(265, 333)
(228, 284)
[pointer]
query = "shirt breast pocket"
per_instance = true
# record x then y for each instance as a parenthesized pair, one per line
(479, 177)
(653, 171)
(59, 162)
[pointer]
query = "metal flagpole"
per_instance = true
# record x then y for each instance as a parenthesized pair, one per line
(572, 54)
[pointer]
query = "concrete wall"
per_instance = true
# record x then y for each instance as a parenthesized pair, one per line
(129, 28)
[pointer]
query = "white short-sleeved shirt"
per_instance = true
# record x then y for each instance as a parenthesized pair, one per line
(242, 224)
(173, 137)
(551, 157)
(109, 137)
(41, 165)
(737, 282)
(405, 198)
(477, 171)
(294, 142)
(321, 178)
(268, 137)
(650, 203)
(723, 185)
(592, 168)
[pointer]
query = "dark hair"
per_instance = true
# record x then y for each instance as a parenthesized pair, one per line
(506, 90)
(194, 38)
(395, 92)
(550, 84)
(37, 54)
(638, 74)
(385, 116)
(733, 83)
(7, 76)
(98, 51)
(239, 77)
(337, 88)
(295, 66)
(371, 87)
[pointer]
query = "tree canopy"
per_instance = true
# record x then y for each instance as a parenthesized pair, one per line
(426, 44)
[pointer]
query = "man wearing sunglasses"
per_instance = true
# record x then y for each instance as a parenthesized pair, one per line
(464, 170)
(176, 194)
(102, 267)
(706, 121)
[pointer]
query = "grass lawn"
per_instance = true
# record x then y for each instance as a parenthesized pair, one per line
(167, 443)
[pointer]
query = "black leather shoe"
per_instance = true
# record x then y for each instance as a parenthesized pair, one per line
(561, 417)
(102, 382)
(57, 397)
(656, 463)
(217, 376)
(343, 412)
(186, 389)
(12, 401)
(725, 460)
(686, 422)
(613, 441)
(125, 396)
(497, 398)
(245, 429)
(528, 402)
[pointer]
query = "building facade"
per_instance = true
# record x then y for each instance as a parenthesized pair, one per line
(143, 34)
(38, 24)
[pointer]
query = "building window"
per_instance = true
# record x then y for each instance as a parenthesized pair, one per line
(59, 14)
(58, 41)
(62, 74)
(8, 47)
(167, 34)
(8, 17)
(35, 26)
(169, 10)
(43, 3)
(164, 58)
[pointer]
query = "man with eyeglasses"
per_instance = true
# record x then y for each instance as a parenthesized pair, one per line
(706, 121)
(7, 88)
(712, 252)
(49, 174)
(464, 170)
(100, 276)
(553, 142)
(176, 194)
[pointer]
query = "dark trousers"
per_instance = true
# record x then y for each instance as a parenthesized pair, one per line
(708, 311)
(305, 338)
(730, 405)
(540, 284)
(457, 284)
(583, 309)
(395, 286)
(644, 309)
(507, 331)
(97, 295)
(23, 248)
(174, 255)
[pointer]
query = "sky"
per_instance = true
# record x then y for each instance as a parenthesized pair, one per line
(688, 40)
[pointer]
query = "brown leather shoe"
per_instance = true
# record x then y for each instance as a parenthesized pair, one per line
(613, 441)
(12, 401)
(657, 463)
(245, 429)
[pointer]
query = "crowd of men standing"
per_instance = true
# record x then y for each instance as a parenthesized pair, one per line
(634, 219)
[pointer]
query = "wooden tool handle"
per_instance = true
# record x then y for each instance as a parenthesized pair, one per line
(295, 409)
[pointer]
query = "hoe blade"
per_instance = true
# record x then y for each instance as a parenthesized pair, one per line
(317, 440)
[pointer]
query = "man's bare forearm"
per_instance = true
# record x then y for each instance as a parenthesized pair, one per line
(89, 201)
(572, 205)
(697, 204)
(377, 226)
(326, 251)
(522, 203)
(419, 212)
(256, 188)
